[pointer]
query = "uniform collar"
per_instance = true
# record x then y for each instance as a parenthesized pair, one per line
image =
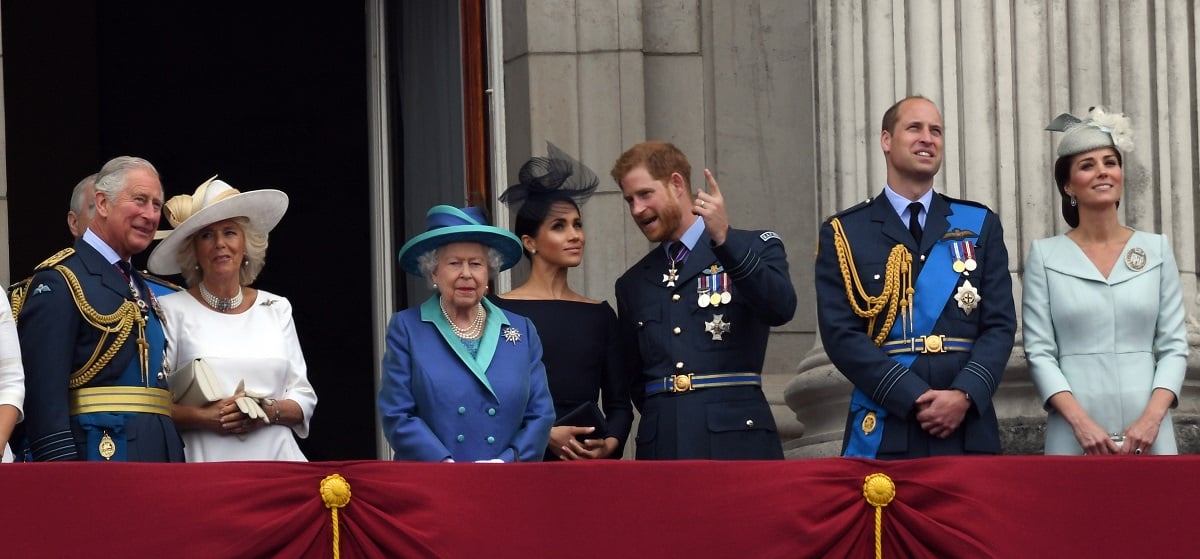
(900, 203)
(93, 240)
(690, 237)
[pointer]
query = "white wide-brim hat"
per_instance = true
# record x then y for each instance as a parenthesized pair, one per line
(213, 201)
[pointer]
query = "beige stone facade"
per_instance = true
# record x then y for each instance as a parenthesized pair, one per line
(782, 99)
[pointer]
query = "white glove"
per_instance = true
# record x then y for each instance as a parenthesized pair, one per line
(251, 408)
(492, 461)
(251, 403)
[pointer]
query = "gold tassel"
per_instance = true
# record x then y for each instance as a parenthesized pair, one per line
(335, 491)
(879, 490)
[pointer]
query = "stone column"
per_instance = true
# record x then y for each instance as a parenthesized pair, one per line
(1000, 71)
(728, 81)
(573, 75)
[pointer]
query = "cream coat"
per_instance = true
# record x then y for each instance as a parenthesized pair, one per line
(1111, 341)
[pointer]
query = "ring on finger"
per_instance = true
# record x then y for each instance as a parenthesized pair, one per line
(701, 202)
(1137, 451)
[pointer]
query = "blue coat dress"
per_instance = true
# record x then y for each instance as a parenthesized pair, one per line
(1109, 341)
(438, 402)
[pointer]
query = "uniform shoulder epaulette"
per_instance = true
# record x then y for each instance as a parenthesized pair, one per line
(161, 281)
(19, 290)
(851, 209)
(951, 200)
(55, 259)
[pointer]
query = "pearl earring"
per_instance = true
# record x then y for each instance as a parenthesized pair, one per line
(534, 251)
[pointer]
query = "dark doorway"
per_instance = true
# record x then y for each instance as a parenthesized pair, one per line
(266, 94)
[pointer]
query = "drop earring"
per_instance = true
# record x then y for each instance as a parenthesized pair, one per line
(1074, 202)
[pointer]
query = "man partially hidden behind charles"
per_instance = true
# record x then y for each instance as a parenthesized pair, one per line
(91, 335)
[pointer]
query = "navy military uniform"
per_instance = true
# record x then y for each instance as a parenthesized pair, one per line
(697, 368)
(93, 357)
(978, 326)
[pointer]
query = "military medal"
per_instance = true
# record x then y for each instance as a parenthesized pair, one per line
(702, 291)
(674, 260)
(107, 448)
(670, 277)
(717, 327)
(726, 292)
(868, 423)
(714, 299)
(969, 248)
(968, 297)
(956, 250)
(1135, 258)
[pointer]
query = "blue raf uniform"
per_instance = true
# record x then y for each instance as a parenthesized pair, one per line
(968, 321)
(437, 401)
(698, 364)
(93, 358)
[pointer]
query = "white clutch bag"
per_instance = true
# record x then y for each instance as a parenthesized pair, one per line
(195, 384)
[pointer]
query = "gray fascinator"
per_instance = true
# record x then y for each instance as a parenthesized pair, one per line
(1100, 130)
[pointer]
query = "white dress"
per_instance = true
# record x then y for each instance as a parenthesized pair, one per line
(12, 374)
(259, 346)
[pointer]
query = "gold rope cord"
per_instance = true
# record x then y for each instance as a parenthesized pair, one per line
(335, 492)
(120, 322)
(17, 299)
(897, 286)
(879, 490)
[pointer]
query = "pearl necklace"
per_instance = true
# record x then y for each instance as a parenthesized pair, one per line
(474, 330)
(221, 305)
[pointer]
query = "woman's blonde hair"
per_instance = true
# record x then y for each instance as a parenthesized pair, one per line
(254, 255)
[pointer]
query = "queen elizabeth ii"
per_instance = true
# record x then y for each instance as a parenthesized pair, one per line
(463, 380)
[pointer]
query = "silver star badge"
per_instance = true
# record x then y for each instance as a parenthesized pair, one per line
(512, 335)
(717, 327)
(968, 297)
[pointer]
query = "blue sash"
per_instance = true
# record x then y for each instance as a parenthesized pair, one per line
(933, 287)
(96, 425)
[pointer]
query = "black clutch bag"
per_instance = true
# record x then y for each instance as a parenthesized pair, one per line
(586, 415)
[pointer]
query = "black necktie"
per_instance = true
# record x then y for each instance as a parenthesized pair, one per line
(914, 221)
(125, 268)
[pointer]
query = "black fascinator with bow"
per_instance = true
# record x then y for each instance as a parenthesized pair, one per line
(558, 175)
(545, 181)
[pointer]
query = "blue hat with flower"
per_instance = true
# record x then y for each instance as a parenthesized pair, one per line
(447, 224)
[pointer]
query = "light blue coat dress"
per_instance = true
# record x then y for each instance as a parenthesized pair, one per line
(1110, 342)
(436, 401)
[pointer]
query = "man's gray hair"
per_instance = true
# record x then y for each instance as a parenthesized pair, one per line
(111, 178)
(80, 201)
